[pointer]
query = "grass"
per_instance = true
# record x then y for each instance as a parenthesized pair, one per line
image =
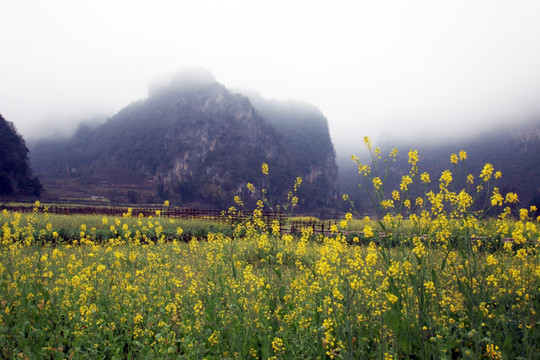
(261, 295)
(441, 285)
(106, 228)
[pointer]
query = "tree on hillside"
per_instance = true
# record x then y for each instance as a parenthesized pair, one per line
(16, 177)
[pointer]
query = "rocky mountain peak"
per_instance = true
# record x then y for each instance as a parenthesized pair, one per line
(198, 142)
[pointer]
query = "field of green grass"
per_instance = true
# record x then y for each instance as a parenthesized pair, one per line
(257, 294)
(446, 282)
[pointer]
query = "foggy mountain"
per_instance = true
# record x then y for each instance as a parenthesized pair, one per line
(513, 149)
(194, 142)
(306, 138)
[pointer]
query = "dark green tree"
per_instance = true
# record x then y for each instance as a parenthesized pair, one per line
(16, 177)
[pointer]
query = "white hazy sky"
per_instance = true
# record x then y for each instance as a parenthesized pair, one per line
(429, 68)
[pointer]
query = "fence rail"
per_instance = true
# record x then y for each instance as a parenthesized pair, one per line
(268, 217)
(320, 227)
(180, 213)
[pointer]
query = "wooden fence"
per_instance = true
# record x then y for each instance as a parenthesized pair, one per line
(268, 217)
(181, 213)
(318, 227)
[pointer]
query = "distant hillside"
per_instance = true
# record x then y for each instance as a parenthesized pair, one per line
(16, 179)
(514, 150)
(191, 141)
(306, 139)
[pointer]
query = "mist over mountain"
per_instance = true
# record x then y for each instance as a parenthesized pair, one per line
(193, 141)
(306, 139)
(16, 178)
(198, 143)
(514, 149)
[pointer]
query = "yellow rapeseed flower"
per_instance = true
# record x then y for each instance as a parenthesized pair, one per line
(264, 168)
(446, 177)
(364, 169)
(377, 183)
(238, 200)
(138, 318)
(487, 171)
(413, 157)
(277, 345)
(391, 298)
(368, 231)
(496, 198)
(524, 214)
(297, 183)
(419, 248)
(492, 352)
(367, 141)
(214, 338)
(405, 182)
(511, 198)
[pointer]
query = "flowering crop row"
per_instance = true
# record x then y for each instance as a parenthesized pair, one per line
(257, 293)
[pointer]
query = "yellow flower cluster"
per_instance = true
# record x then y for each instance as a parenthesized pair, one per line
(443, 281)
(315, 298)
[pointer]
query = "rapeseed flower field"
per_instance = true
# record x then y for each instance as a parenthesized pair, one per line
(444, 282)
